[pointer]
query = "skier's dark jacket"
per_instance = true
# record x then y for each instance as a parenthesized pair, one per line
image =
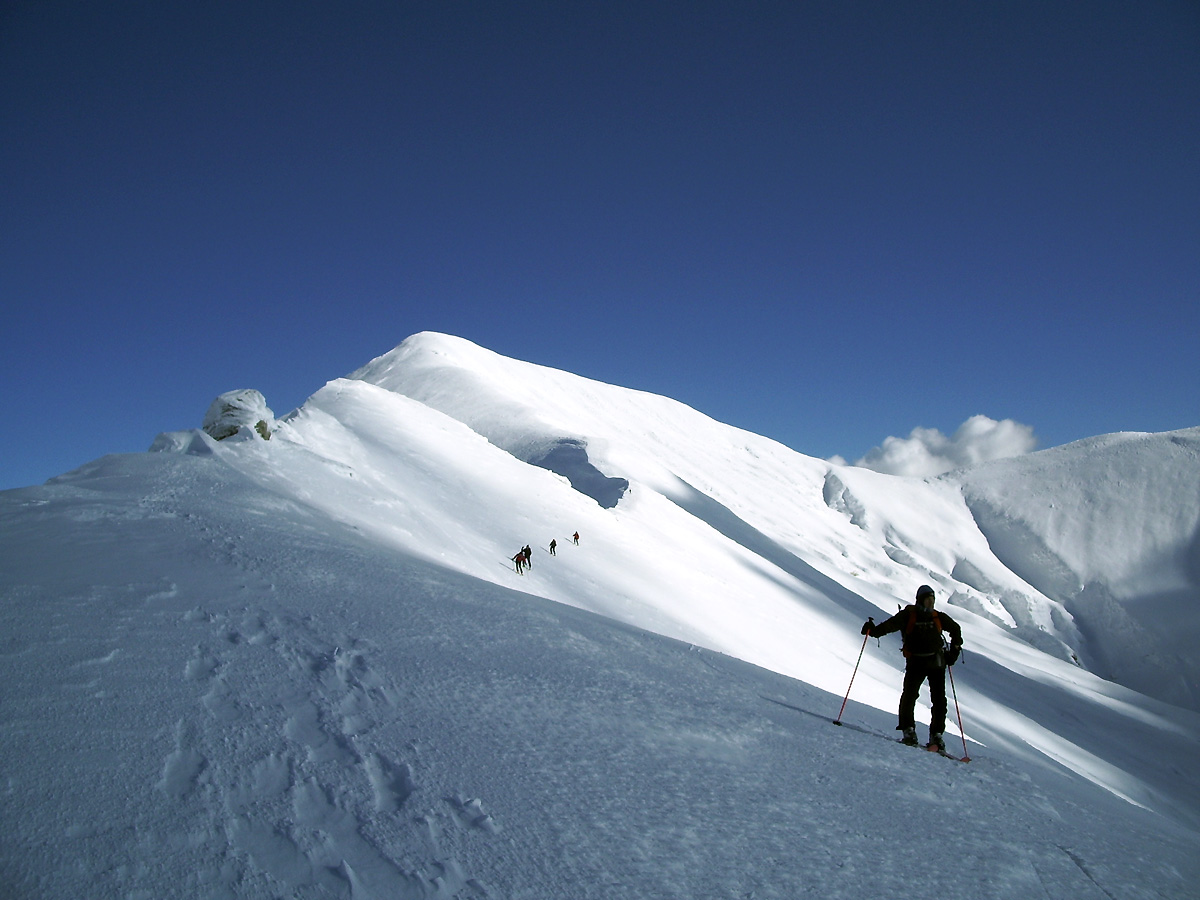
(922, 634)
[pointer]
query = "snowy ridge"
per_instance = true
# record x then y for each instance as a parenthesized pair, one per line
(306, 667)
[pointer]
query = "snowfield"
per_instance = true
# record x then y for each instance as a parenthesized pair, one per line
(305, 667)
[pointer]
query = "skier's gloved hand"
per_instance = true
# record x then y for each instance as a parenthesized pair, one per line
(867, 626)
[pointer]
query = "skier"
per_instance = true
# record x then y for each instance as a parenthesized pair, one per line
(553, 547)
(575, 537)
(528, 551)
(926, 659)
(520, 561)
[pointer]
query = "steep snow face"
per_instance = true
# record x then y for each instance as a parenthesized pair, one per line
(877, 536)
(1122, 510)
(1110, 528)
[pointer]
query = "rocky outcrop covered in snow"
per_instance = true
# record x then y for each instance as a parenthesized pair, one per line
(234, 411)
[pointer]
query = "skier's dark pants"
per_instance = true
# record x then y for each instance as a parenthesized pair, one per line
(915, 672)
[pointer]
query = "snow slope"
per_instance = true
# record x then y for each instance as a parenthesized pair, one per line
(1116, 518)
(305, 666)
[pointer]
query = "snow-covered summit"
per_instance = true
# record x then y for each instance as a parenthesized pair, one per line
(547, 417)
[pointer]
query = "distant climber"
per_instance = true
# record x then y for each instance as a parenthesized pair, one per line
(528, 551)
(575, 537)
(520, 561)
(553, 547)
(926, 657)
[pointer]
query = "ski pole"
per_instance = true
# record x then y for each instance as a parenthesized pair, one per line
(958, 713)
(838, 720)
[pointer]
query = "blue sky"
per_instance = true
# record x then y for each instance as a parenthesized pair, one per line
(828, 223)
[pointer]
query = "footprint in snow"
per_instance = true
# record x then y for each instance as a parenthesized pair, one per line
(470, 814)
(392, 783)
(303, 726)
(202, 666)
(183, 766)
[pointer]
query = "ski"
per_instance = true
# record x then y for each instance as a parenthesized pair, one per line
(934, 748)
(861, 729)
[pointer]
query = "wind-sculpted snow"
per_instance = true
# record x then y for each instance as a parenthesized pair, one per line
(306, 666)
(469, 383)
(1109, 528)
(568, 457)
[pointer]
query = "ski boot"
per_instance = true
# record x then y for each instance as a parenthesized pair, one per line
(909, 737)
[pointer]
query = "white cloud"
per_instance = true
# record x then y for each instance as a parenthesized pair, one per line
(927, 452)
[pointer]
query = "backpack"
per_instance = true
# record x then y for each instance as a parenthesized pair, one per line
(944, 654)
(923, 638)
